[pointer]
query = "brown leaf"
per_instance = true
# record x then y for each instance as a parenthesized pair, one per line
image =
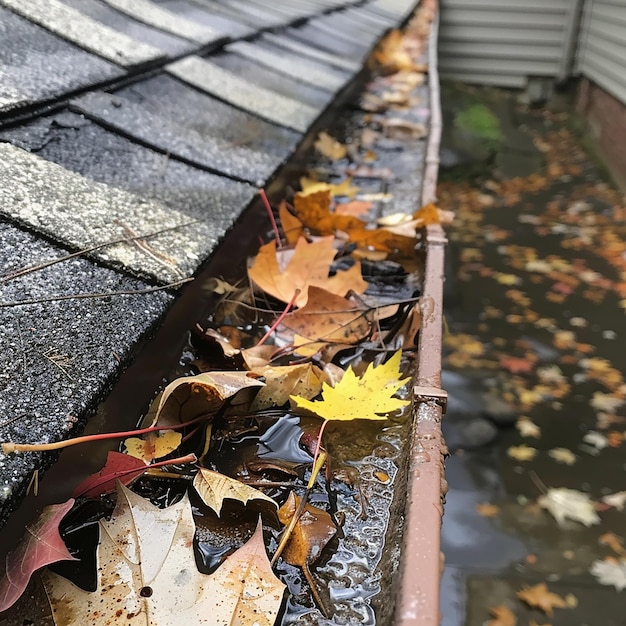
(488, 510)
(308, 264)
(353, 208)
(292, 226)
(503, 616)
(344, 188)
(382, 239)
(330, 147)
(428, 214)
(399, 128)
(314, 211)
(538, 597)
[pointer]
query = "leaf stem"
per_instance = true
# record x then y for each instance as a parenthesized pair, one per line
(280, 318)
(270, 213)
(9, 447)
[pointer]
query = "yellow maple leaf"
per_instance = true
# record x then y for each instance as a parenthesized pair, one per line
(153, 445)
(344, 188)
(522, 453)
(366, 397)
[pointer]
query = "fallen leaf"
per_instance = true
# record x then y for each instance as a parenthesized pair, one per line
(330, 147)
(562, 455)
(488, 510)
(515, 365)
(614, 542)
(308, 264)
(293, 228)
(428, 214)
(392, 55)
(382, 239)
(345, 188)
(528, 428)
(399, 128)
(610, 573)
(153, 445)
(353, 208)
(192, 397)
(147, 573)
(214, 488)
(596, 439)
(617, 500)
(522, 453)
(282, 381)
(118, 466)
(313, 209)
(40, 546)
(503, 616)
(566, 504)
(367, 397)
(538, 597)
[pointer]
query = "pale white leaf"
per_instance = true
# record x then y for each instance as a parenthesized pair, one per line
(610, 573)
(617, 500)
(564, 504)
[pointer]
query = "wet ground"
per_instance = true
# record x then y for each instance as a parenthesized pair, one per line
(534, 367)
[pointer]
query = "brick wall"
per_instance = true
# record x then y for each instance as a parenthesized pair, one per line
(606, 120)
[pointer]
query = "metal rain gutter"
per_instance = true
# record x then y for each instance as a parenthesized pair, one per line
(421, 561)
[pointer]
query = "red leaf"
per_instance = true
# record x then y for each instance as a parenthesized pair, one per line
(122, 467)
(516, 365)
(41, 545)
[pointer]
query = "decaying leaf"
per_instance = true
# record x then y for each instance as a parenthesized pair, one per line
(538, 597)
(503, 616)
(153, 445)
(522, 453)
(147, 575)
(610, 572)
(344, 188)
(308, 264)
(313, 209)
(327, 318)
(614, 542)
(330, 147)
(570, 504)
(367, 397)
(353, 208)
(292, 226)
(192, 397)
(41, 545)
(214, 488)
(562, 455)
(283, 381)
(118, 466)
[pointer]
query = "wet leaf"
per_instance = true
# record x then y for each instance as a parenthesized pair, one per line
(610, 572)
(345, 188)
(214, 488)
(153, 445)
(614, 542)
(539, 597)
(41, 545)
(147, 573)
(488, 510)
(617, 500)
(596, 439)
(118, 466)
(503, 616)
(313, 209)
(292, 226)
(365, 397)
(192, 397)
(563, 455)
(564, 504)
(400, 128)
(308, 264)
(330, 147)
(528, 428)
(353, 208)
(328, 318)
(522, 453)
(283, 381)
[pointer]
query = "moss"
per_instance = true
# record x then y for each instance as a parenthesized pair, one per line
(480, 121)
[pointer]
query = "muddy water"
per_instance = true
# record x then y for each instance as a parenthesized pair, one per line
(534, 358)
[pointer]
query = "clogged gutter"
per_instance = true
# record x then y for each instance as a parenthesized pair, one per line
(331, 288)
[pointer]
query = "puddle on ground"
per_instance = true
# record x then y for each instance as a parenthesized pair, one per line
(535, 364)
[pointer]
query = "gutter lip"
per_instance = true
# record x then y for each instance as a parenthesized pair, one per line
(421, 561)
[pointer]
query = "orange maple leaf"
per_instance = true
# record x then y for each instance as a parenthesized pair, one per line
(538, 597)
(281, 273)
(314, 211)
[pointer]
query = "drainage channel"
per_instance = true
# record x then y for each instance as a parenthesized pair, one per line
(378, 465)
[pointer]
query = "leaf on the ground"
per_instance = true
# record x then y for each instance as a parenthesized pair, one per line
(345, 188)
(283, 381)
(353, 208)
(617, 500)
(503, 616)
(614, 542)
(191, 397)
(400, 128)
(118, 466)
(382, 239)
(330, 147)
(153, 445)
(213, 336)
(610, 572)
(564, 504)
(214, 488)
(292, 226)
(539, 597)
(563, 455)
(596, 439)
(328, 318)
(313, 209)
(365, 397)
(147, 575)
(258, 356)
(516, 365)
(606, 402)
(522, 453)
(528, 428)
(41, 545)
(487, 510)
(428, 214)
(308, 264)
(392, 54)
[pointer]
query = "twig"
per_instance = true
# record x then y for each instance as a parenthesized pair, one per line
(280, 318)
(40, 266)
(9, 447)
(270, 213)
(85, 296)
